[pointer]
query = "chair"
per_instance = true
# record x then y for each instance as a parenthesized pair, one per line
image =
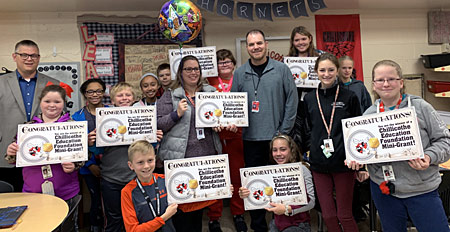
(6, 187)
(68, 224)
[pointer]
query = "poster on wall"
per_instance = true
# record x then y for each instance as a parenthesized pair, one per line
(51, 143)
(104, 38)
(281, 183)
(221, 109)
(383, 137)
(197, 179)
(105, 70)
(69, 74)
(205, 55)
(124, 125)
(302, 69)
(103, 55)
(340, 35)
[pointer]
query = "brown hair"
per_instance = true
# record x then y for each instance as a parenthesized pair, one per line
(26, 42)
(142, 146)
(162, 67)
(179, 81)
(397, 68)
(295, 153)
(254, 31)
(53, 88)
(326, 56)
(302, 31)
(222, 54)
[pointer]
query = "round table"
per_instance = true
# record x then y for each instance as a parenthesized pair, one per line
(44, 212)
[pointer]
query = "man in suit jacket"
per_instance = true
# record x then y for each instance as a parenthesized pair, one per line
(19, 102)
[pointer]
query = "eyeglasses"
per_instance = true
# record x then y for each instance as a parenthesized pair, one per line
(91, 92)
(25, 56)
(189, 70)
(223, 63)
(389, 80)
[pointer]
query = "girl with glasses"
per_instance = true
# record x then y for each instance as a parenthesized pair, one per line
(417, 180)
(92, 91)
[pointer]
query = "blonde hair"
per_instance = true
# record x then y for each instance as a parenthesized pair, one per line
(397, 68)
(122, 86)
(141, 146)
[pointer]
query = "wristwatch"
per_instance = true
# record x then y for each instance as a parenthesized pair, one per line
(286, 211)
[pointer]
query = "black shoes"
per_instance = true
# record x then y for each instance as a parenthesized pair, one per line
(239, 223)
(214, 226)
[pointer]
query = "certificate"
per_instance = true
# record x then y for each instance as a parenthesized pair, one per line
(124, 125)
(221, 109)
(197, 179)
(302, 69)
(205, 55)
(383, 137)
(51, 143)
(281, 183)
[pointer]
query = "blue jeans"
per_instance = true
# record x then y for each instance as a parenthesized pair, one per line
(426, 211)
(111, 203)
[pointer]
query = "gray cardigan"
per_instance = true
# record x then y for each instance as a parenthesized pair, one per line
(436, 144)
(277, 96)
(176, 130)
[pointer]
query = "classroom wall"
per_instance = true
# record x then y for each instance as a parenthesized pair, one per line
(400, 35)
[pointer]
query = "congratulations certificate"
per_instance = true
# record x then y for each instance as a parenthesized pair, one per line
(221, 109)
(124, 125)
(281, 183)
(383, 137)
(302, 69)
(197, 179)
(50, 143)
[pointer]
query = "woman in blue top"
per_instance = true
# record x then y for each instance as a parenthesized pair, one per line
(92, 90)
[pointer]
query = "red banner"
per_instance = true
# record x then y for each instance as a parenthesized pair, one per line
(341, 36)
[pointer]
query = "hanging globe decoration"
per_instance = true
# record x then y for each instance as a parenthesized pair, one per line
(180, 21)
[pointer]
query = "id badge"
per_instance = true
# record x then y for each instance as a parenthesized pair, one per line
(200, 133)
(255, 106)
(388, 173)
(328, 143)
(46, 172)
(47, 188)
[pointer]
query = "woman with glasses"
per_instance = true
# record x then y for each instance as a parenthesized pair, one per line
(176, 118)
(326, 106)
(232, 145)
(92, 90)
(417, 180)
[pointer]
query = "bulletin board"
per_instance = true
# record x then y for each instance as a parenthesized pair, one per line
(137, 59)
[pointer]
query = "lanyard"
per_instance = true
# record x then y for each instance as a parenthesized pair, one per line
(147, 198)
(328, 128)
(381, 107)
(257, 85)
(223, 86)
(189, 98)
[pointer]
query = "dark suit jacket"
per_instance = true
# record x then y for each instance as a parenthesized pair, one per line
(12, 109)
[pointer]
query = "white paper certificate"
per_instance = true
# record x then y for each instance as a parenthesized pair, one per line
(302, 69)
(197, 179)
(275, 183)
(50, 143)
(124, 125)
(383, 137)
(221, 109)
